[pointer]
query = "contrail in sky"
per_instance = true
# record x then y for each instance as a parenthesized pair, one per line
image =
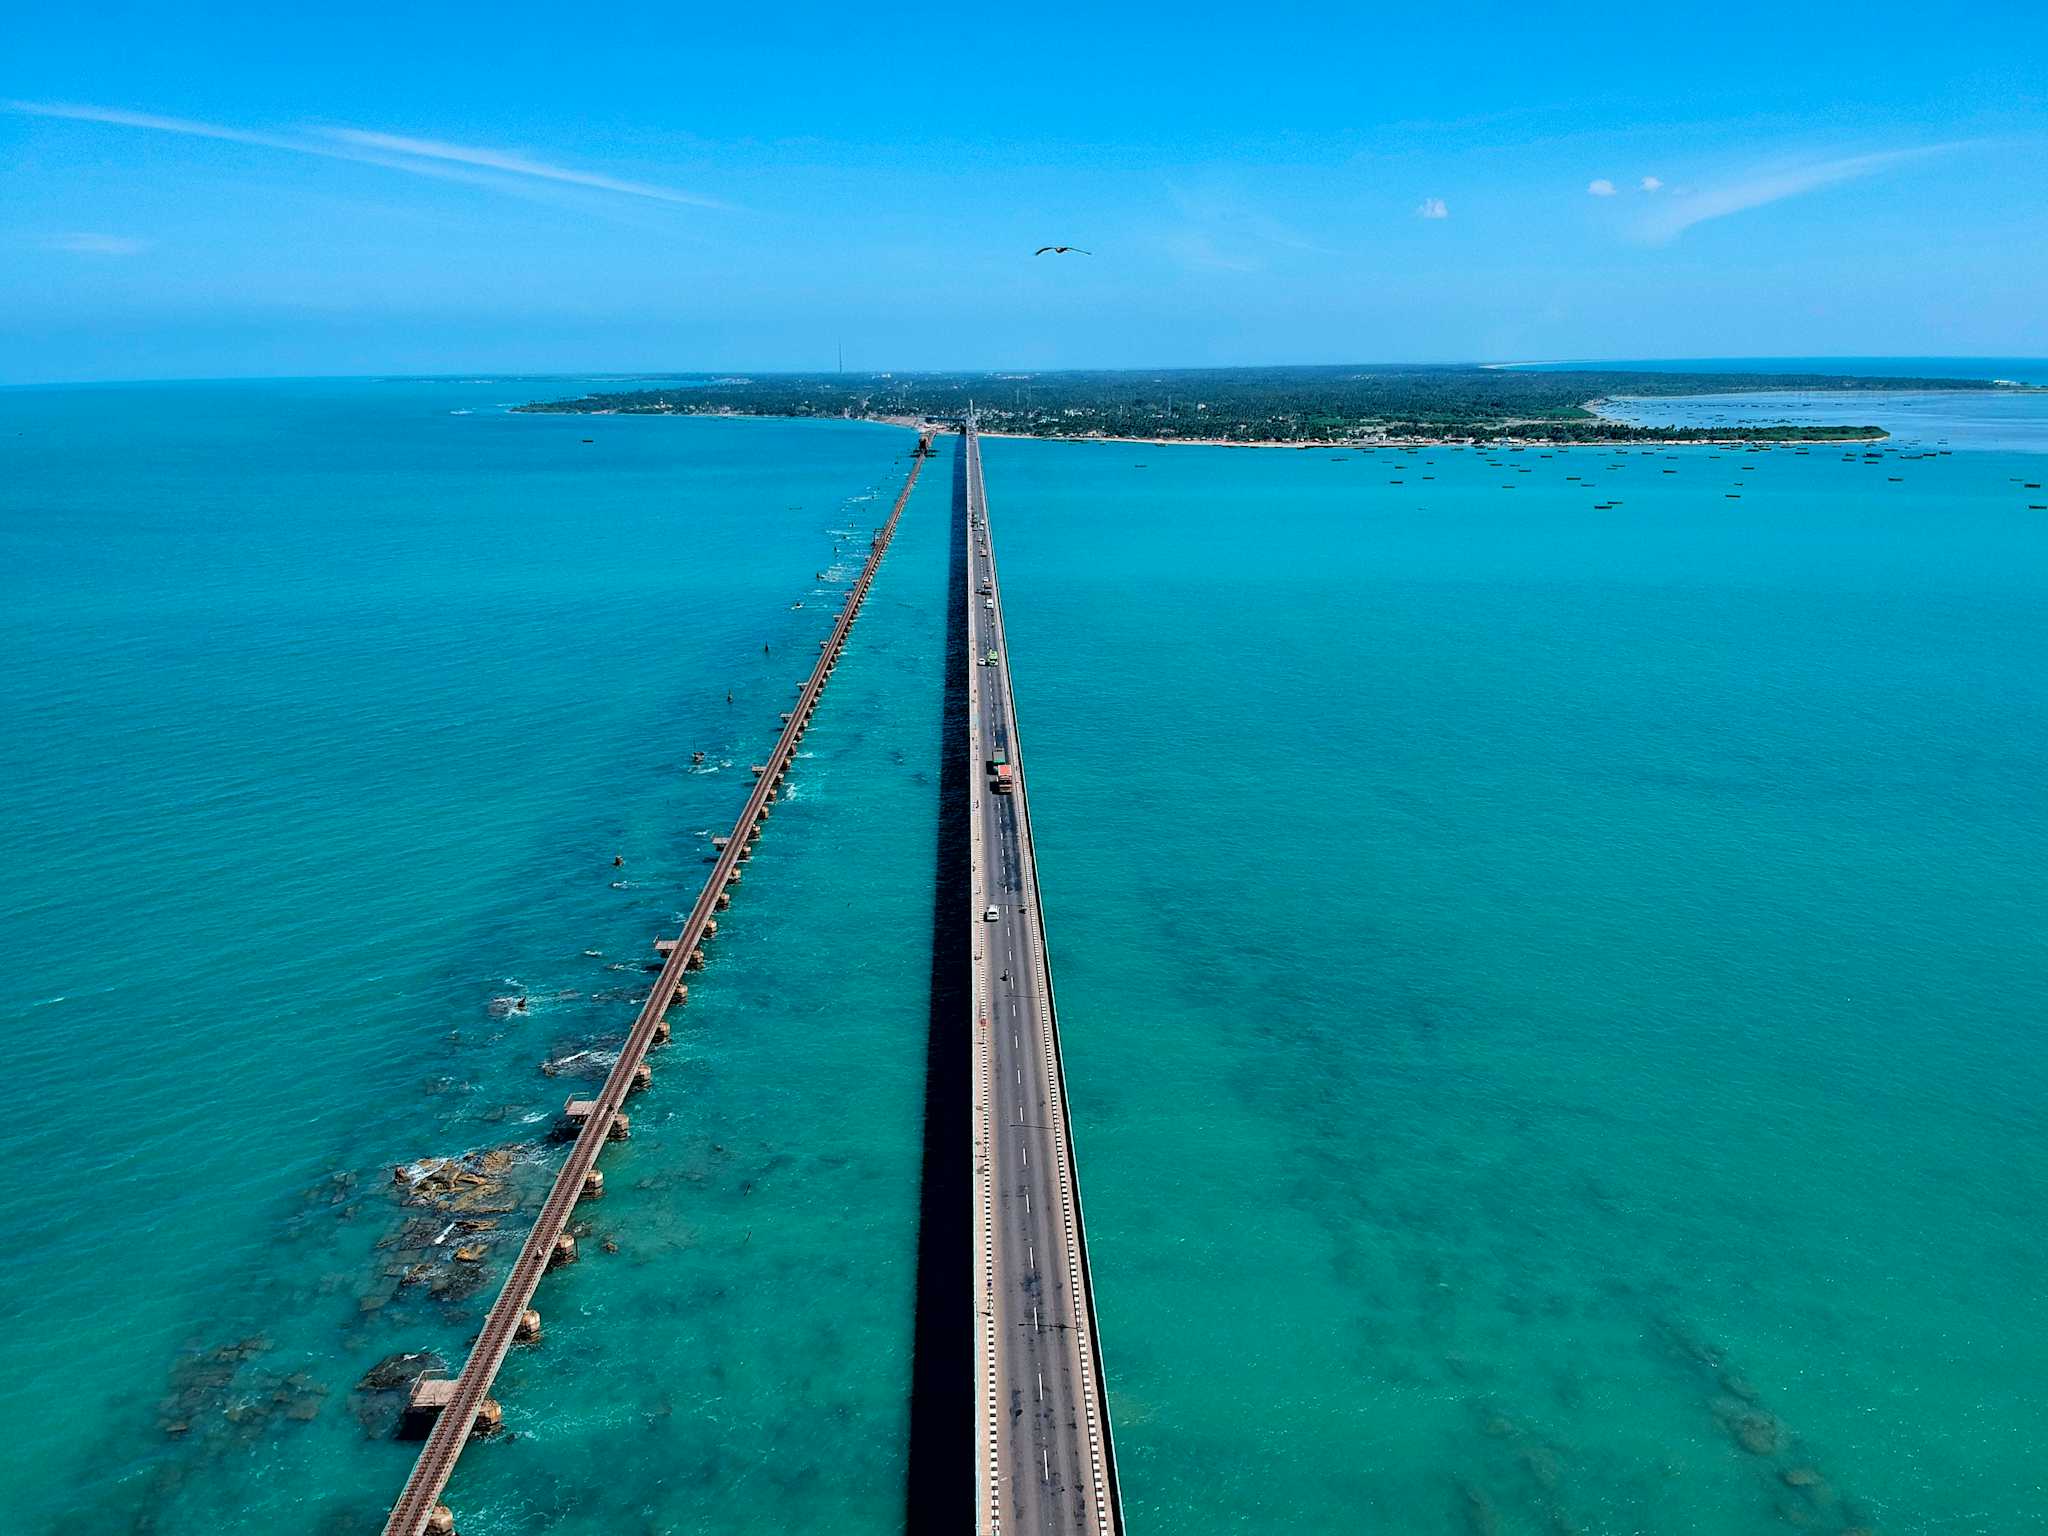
(418, 157)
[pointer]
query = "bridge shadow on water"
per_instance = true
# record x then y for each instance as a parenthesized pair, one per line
(940, 1491)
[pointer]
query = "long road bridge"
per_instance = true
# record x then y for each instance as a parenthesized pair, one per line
(1043, 1456)
(462, 1401)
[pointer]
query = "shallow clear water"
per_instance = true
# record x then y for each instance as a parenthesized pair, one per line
(2023, 370)
(1551, 995)
(328, 713)
(1960, 419)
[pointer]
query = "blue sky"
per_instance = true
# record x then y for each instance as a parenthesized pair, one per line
(226, 190)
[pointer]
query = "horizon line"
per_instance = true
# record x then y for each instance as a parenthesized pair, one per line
(489, 375)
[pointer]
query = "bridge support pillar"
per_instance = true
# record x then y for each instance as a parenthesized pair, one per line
(663, 1032)
(564, 1252)
(593, 1185)
(430, 1395)
(643, 1079)
(528, 1331)
(696, 962)
(576, 1111)
(441, 1521)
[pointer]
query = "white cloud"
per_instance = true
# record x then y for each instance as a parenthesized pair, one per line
(1600, 187)
(85, 243)
(1432, 208)
(416, 157)
(1759, 188)
(125, 119)
(516, 165)
(1652, 183)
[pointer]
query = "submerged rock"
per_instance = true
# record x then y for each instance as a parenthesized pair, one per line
(1756, 1433)
(1541, 1463)
(414, 1235)
(457, 1282)
(378, 1398)
(374, 1301)
(216, 1393)
(395, 1371)
(1736, 1386)
(483, 1202)
(1481, 1518)
(300, 1396)
(336, 1189)
(476, 1182)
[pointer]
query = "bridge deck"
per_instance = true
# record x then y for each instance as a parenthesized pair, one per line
(430, 1474)
(1044, 1460)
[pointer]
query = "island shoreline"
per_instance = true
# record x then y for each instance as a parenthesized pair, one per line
(1331, 407)
(1361, 444)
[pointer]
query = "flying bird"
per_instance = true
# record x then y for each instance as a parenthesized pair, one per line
(1062, 250)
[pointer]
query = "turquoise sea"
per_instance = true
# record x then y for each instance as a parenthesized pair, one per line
(1550, 956)
(327, 713)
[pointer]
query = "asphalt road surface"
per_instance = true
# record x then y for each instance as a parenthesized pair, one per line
(1046, 1430)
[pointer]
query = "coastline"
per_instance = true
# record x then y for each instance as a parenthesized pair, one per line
(1363, 443)
(918, 423)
